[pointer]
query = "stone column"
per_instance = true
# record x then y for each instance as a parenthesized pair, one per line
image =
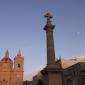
(50, 41)
(53, 76)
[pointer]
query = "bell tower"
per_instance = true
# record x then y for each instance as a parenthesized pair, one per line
(18, 62)
(18, 68)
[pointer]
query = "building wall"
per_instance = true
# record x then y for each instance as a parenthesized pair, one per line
(74, 75)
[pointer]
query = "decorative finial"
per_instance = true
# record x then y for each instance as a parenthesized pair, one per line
(49, 17)
(7, 54)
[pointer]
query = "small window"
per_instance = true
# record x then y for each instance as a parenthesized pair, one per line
(19, 65)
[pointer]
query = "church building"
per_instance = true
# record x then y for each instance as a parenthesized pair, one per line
(11, 71)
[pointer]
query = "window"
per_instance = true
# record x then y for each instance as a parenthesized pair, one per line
(19, 65)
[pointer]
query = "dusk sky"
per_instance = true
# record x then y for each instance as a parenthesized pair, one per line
(22, 23)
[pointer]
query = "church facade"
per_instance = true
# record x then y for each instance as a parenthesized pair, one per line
(11, 71)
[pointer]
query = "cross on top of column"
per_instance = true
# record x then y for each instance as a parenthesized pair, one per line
(48, 16)
(49, 25)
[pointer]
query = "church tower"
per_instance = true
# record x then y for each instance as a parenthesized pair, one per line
(18, 68)
(18, 62)
(6, 69)
(53, 73)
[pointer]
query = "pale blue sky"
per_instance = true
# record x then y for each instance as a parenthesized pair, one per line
(21, 27)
